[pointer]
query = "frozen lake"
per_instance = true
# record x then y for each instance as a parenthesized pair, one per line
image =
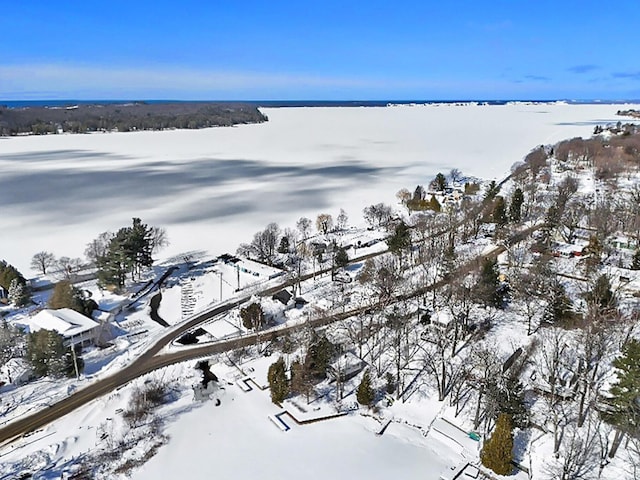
(212, 189)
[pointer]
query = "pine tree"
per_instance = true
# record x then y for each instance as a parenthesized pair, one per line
(487, 289)
(46, 353)
(342, 257)
(497, 452)
(400, 240)
(434, 204)
(515, 209)
(625, 391)
(440, 182)
(492, 190)
(499, 212)
(278, 382)
(365, 393)
(9, 273)
(284, 245)
(129, 251)
(511, 402)
(319, 356)
(18, 293)
(559, 307)
(298, 377)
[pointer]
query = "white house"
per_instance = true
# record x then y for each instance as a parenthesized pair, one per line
(75, 328)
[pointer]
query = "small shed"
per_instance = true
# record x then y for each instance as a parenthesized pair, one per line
(283, 296)
(346, 367)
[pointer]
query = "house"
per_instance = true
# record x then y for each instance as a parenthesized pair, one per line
(75, 328)
(345, 368)
(283, 296)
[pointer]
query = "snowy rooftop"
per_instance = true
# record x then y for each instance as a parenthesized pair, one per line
(65, 321)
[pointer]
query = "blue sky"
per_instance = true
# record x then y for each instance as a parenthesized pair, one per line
(319, 50)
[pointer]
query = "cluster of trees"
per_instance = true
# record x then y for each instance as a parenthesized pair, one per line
(65, 295)
(14, 283)
(303, 373)
(270, 244)
(127, 251)
(125, 118)
(115, 255)
(609, 156)
(252, 316)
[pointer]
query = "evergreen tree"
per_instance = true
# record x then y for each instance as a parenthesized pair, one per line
(319, 356)
(559, 307)
(515, 209)
(252, 316)
(400, 240)
(9, 273)
(487, 290)
(499, 212)
(278, 382)
(48, 356)
(284, 245)
(298, 378)
(114, 264)
(497, 452)
(625, 391)
(594, 252)
(492, 190)
(365, 393)
(342, 258)
(128, 251)
(18, 293)
(434, 204)
(139, 246)
(440, 182)
(511, 401)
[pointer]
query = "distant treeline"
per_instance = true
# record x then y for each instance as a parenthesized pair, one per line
(125, 117)
(629, 113)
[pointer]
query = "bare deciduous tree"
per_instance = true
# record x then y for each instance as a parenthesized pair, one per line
(324, 223)
(304, 227)
(159, 239)
(41, 261)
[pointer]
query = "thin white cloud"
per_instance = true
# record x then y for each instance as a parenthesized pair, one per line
(69, 79)
(38, 81)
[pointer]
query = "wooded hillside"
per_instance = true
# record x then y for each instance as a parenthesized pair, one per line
(125, 117)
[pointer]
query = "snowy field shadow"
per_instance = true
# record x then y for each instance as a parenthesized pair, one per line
(181, 191)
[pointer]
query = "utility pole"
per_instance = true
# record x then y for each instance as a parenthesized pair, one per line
(75, 360)
(220, 275)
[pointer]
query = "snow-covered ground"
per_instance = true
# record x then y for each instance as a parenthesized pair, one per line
(212, 189)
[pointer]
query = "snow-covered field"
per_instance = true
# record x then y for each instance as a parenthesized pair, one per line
(213, 188)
